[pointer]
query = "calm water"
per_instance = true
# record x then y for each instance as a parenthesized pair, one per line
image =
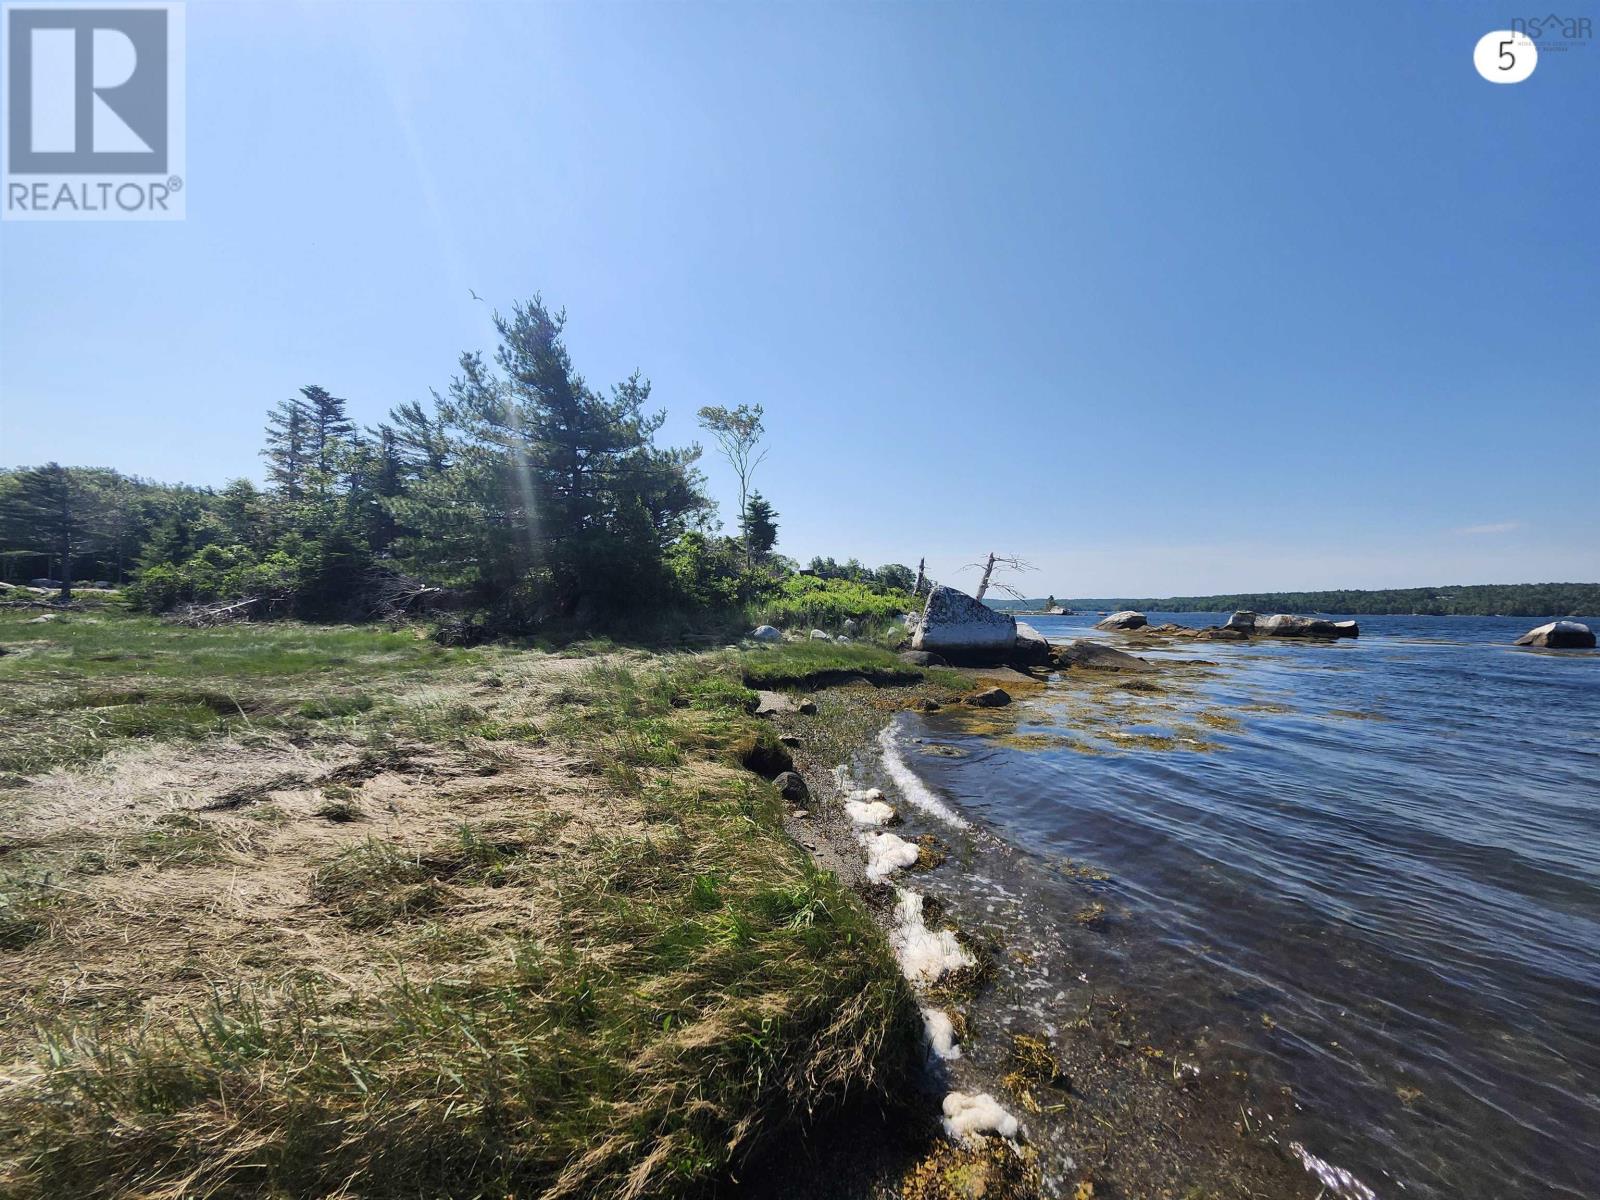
(1381, 886)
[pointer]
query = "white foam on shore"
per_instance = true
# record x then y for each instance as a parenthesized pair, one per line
(887, 853)
(913, 789)
(925, 955)
(941, 1034)
(967, 1116)
(868, 811)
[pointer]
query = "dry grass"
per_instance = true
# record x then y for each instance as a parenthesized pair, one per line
(538, 936)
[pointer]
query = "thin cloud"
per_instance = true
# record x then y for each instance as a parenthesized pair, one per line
(1495, 527)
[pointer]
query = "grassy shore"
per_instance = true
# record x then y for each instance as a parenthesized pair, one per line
(291, 910)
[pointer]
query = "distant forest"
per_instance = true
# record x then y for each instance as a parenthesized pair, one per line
(1473, 600)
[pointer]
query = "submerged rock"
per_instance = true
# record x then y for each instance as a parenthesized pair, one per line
(990, 698)
(1559, 635)
(1095, 657)
(1127, 619)
(963, 629)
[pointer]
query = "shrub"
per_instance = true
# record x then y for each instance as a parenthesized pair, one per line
(828, 603)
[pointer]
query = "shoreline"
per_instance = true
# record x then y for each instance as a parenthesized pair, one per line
(1175, 1130)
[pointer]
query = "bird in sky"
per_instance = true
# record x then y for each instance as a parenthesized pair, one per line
(476, 297)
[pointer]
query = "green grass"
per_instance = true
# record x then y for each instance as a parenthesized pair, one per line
(816, 663)
(621, 999)
(109, 643)
(73, 688)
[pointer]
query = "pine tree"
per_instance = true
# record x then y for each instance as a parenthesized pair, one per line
(289, 443)
(331, 428)
(552, 493)
(241, 510)
(759, 527)
(421, 441)
(54, 511)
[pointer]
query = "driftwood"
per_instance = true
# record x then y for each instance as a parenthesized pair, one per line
(394, 597)
(200, 615)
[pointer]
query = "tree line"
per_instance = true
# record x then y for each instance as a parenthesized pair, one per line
(1466, 600)
(522, 493)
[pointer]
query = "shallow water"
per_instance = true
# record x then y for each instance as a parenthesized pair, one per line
(1369, 869)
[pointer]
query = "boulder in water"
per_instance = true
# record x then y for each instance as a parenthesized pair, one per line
(989, 698)
(1244, 621)
(1287, 625)
(1559, 635)
(1093, 656)
(1127, 619)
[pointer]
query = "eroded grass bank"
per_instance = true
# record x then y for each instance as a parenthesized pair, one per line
(314, 911)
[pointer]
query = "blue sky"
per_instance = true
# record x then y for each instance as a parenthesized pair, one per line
(1164, 297)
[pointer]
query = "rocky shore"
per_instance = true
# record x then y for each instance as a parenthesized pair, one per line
(1105, 1105)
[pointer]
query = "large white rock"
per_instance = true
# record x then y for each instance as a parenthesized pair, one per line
(1287, 625)
(1244, 620)
(959, 627)
(1559, 635)
(1126, 619)
(766, 633)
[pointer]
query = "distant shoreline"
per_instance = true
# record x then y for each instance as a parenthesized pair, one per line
(1533, 600)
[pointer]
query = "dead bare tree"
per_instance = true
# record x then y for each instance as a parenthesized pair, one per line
(1009, 562)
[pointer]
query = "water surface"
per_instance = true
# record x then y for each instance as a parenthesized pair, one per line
(1370, 868)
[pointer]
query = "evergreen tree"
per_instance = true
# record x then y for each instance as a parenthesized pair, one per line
(241, 511)
(897, 577)
(53, 511)
(552, 494)
(421, 440)
(289, 447)
(759, 527)
(331, 428)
